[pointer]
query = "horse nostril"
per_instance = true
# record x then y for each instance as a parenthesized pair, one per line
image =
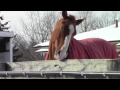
(59, 52)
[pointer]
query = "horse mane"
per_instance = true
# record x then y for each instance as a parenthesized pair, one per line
(61, 29)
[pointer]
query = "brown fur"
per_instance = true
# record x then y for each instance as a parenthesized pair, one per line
(61, 30)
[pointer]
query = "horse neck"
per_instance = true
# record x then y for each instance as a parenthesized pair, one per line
(59, 42)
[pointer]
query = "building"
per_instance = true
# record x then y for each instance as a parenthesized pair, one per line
(6, 48)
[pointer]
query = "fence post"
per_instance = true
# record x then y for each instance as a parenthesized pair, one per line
(116, 23)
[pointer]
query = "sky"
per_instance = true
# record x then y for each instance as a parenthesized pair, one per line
(15, 16)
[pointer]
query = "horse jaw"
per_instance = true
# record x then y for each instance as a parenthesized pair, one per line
(63, 51)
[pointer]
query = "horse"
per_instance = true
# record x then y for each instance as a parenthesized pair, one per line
(63, 45)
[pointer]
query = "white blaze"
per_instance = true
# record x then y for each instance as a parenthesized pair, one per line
(63, 54)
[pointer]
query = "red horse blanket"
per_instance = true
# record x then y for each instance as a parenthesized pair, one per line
(92, 48)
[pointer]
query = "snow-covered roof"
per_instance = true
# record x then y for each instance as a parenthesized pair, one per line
(6, 34)
(110, 33)
(42, 50)
(42, 44)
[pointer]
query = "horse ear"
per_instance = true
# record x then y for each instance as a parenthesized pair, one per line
(64, 14)
(79, 21)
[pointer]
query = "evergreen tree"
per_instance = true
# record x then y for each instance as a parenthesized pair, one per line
(3, 25)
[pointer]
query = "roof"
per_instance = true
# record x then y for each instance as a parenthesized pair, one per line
(109, 33)
(6, 34)
(42, 50)
(42, 44)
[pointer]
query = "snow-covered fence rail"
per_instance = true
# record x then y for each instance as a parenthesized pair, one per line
(59, 69)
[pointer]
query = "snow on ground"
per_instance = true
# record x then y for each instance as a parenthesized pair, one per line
(118, 44)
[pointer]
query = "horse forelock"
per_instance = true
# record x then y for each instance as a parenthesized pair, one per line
(62, 27)
(72, 18)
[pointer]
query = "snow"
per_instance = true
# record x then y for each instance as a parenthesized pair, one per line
(108, 33)
(42, 44)
(118, 44)
(42, 50)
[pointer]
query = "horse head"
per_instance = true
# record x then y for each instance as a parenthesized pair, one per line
(64, 30)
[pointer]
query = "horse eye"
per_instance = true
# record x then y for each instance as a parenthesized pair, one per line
(63, 22)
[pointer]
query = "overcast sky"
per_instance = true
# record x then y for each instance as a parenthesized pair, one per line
(14, 16)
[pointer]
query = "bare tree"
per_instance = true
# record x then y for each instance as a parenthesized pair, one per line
(89, 21)
(37, 28)
(114, 15)
(93, 22)
(107, 19)
(102, 21)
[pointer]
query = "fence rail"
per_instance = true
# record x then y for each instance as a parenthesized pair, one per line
(80, 69)
(48, 74)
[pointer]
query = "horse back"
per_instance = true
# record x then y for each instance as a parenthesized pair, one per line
(92, 48)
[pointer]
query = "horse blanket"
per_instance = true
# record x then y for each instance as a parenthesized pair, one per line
(91, 48)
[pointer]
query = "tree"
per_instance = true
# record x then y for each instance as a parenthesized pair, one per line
(114, 15)
(93, 22)
(107, 19)
(88, 23)
(37, 28)
(16, 52)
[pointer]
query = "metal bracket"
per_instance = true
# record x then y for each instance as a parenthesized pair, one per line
(104, 75)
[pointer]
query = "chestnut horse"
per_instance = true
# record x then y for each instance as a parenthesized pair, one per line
(63, 45)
